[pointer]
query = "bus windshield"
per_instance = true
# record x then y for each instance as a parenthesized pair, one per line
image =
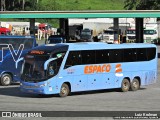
(110, 32)
(149, 32)
(131, 32)
(28, 42)
(85, 33)
(33, 70)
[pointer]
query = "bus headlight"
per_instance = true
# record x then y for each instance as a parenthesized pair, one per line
(43, 85)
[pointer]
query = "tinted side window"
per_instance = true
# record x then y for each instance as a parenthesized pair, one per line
(127, 55)
(88, 56)
(116, 55)
(102, 56)
(74, 58)
(151, 53)
(134, 54)
(141, 54)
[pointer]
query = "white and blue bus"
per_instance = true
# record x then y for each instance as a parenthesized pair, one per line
(72, 67)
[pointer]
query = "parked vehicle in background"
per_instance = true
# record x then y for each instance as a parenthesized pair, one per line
(96, 27)
(44, 27)
(4, 31)
(86, 35)
(74, 32)
(150, 36)
(53, 39)
(108, 35)
(131, 35)
(12, 49)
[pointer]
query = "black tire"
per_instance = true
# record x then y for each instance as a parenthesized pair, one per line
(135, 85)
(125, 85)
(6, 79)
(65, 91)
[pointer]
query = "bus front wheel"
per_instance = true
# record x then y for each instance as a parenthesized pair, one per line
(135, 85)
(125, 85)
(64, 90)
(6, 79)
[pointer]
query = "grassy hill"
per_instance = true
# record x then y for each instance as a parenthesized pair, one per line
(82, 4)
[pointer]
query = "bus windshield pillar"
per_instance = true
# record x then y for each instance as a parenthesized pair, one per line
(139, 30)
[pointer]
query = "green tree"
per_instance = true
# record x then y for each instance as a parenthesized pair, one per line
(19, 5)
(142, 4)
(48, 5)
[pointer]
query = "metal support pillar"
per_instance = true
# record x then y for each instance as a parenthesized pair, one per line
(139, 30)
(64, 28)
(116, 27)
(32, 26)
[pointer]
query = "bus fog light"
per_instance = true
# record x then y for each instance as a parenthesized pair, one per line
(50, 88)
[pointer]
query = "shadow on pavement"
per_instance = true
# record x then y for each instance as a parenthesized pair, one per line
(100, 91)
(15, 91)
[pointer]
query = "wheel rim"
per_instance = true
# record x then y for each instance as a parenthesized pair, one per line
(126, 85)
(135, 85)
(64, 90)
(6, 80)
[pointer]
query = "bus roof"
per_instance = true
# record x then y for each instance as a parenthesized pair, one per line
(51, 47)
(131, 29)
(146, 29)
(88, 46)
(101, 45)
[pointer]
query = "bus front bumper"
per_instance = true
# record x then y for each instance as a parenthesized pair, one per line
(38, 88)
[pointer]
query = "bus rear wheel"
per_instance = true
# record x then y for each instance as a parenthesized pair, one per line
(135, 85)
(6, 79)
(125, 85)
(64, 90)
